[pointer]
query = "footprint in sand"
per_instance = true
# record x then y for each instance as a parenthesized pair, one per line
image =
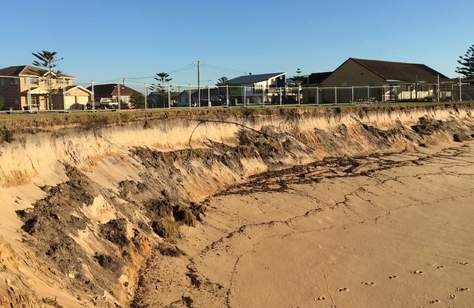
(392, 277)
(417, 272)
(343, 290)
(452, 296)
(368, 283)
(462, 289)
(463, 263)
(435, 301)
(438, 267)
(321, 298)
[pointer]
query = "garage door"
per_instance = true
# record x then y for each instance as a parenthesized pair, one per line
(69, 101)
(82, 100)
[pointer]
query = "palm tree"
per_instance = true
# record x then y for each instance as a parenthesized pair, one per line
(48, 60)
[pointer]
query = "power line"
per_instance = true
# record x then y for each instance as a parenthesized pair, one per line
(224, 69)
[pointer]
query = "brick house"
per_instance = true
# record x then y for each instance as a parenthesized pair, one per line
(31, 88)
(104, 93)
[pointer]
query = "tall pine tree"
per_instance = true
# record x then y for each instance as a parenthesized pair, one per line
(466, 62)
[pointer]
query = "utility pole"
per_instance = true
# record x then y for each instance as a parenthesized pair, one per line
(199, 81)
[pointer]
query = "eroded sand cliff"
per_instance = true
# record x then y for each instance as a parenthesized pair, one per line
(89, 209)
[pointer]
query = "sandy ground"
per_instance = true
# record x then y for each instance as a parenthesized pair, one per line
(382, 231)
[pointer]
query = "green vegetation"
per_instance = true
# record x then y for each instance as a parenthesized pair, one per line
(466, 63)
(222, 81)
(48, 60)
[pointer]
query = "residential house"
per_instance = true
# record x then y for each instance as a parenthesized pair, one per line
(217, 97)
(315, 79)
(106, 93)
(310, 86)
(466, 90)
(257, 89)
(31, 88)
(394, 81)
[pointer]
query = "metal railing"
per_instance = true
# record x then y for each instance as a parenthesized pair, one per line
(34, 94)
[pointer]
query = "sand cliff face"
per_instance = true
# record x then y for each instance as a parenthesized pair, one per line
(83, 206)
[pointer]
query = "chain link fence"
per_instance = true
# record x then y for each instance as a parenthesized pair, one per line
(35, 94)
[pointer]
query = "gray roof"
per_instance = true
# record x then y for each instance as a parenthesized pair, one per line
(251, 79)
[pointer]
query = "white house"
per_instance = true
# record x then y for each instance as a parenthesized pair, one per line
(259, 88)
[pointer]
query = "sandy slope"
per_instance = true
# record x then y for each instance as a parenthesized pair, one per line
(388, 231)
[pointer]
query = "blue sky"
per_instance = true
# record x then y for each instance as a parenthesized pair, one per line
(105, 40)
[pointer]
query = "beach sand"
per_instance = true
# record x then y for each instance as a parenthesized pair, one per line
(393, 230)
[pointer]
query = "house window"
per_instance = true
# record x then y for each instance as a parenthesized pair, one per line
(34, 81)
(34, 101)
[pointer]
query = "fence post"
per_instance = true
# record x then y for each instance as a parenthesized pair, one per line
(317, 95)
(280, 96)
(64, 94)
(245, 97)
(352, 94)
(460, 90)
(263, 96)
(190, 97)
(93, 94)
(146, 95)
(335, 95)
(438, 90)
(169, 96)
(299, 94)
(118, 95)
(227, 95)
(28, 94)
(368, 94)
(199, 96)
(209, 96)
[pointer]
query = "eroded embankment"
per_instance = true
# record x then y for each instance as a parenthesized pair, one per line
(84, 206)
